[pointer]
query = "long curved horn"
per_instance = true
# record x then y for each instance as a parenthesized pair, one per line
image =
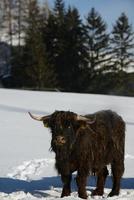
(38, 118)
(79, 117)
(89, 121)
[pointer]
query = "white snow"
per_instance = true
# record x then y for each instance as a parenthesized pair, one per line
(26, 164)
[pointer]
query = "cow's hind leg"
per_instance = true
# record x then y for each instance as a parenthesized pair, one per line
(100, 182)
(117, 171)
(66, 179)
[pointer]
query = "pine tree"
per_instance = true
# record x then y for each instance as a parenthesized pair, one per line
(122, 43)
(38, 70)
(20, 11)
(53, 38)
(75, 53)
(2, 19)
(59, 8)
(20, 15)
(65, 39)
(98, 43)
(8, 8)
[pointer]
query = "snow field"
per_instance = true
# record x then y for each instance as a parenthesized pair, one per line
(27, 166)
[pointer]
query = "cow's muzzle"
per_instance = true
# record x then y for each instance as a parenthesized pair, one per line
(59, 140)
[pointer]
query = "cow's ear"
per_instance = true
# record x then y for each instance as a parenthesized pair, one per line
(44, 119)
(46, 123)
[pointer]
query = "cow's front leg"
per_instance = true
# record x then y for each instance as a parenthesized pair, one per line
(81, 181)
(66, 179)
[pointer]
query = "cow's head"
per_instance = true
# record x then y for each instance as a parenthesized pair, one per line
(64, 126)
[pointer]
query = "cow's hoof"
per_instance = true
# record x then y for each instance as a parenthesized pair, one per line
(65, 193)
(113, 193)
(83, 196)
(97, 192)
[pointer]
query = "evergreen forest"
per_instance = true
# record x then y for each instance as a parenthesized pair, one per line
(56, 49)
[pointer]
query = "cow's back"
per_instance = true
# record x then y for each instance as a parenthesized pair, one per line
(109, 129)
(108, 122)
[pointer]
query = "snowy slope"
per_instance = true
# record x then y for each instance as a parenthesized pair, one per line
(27, 166)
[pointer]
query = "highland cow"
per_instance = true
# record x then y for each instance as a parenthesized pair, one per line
(87, 144)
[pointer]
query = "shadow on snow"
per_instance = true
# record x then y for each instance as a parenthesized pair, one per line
(36, 187)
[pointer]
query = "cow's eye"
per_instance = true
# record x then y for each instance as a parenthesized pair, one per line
(69, 127)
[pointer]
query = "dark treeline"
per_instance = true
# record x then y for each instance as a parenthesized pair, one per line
(62, 51)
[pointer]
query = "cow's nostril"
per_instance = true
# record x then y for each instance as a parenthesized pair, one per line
(60, 140)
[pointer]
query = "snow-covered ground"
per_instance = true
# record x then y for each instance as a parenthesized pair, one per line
(26, 164)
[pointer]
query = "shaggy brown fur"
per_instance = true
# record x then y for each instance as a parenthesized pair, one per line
(88, 149)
